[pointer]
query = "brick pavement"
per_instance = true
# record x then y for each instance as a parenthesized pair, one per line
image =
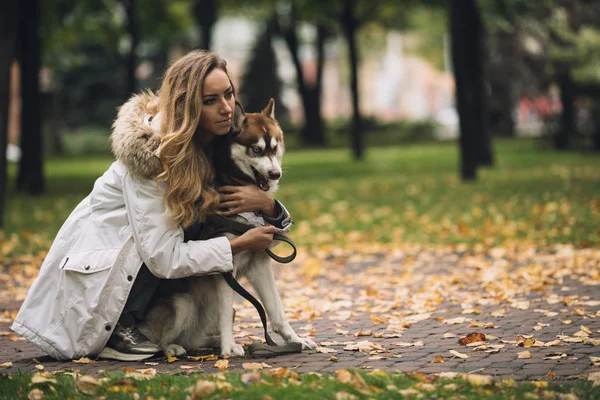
(341, 303)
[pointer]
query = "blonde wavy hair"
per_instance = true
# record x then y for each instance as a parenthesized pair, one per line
(187, 170)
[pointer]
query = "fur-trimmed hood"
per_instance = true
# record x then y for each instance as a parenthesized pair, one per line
(134, 139)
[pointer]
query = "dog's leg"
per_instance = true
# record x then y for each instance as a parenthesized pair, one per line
(260, 276)
(225, 308)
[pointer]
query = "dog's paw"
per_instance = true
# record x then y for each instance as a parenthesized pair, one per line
(174, 350)
(307, 344)
(235, 350)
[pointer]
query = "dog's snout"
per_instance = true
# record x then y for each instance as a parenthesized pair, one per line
(274, 174)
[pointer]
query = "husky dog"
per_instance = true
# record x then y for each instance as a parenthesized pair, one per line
(197, 312)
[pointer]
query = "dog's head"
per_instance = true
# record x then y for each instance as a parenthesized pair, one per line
(257, 146)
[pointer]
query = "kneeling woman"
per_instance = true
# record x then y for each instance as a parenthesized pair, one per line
(105, 262)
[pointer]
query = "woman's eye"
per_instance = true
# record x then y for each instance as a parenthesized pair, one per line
(208, 102)
(229, 95)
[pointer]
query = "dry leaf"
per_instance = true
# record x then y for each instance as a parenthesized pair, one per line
(595, 361)
(478, 380)
(7, 364)
(437, 359)
(210, 357)
(35, 394)
(171, 358)
(254, 365)
(449, 335)
(377, 320)
(471, 338)
(524, 354)
(457, 354)
(83, 360)
(14, 338)
(325, 350)
(251, 377)
(39, 378)
(88, 384)
(222, 365)
(334, 359)
(343, 375)
(594, 377)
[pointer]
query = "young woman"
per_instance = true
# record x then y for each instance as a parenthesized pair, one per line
(105, 261)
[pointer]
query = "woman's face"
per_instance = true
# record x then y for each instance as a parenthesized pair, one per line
(218, 105)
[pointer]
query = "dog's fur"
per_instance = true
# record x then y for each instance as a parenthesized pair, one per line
(197, 312)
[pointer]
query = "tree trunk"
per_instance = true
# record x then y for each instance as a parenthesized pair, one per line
(131, 58)
(484, 152)
(313, 131)
(206, 12)
(350, 26)
(465, 88)
(567, 117)
(467, 58)
(31, 178)
(8, 31)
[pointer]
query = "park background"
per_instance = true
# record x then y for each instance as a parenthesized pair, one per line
(442, 156)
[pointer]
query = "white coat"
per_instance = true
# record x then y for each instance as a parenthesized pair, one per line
(73, 306)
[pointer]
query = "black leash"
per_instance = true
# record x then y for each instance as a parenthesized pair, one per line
(216, 225)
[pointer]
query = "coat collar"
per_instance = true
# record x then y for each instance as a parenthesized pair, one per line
(134, 141)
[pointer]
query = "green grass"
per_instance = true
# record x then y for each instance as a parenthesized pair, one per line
(378, 385)
(398, 194)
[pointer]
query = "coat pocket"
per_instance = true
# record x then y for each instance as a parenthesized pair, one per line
(89, 262)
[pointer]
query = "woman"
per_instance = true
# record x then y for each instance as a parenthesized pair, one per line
(104, 263)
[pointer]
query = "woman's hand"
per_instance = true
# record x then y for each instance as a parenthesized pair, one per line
(256, 239)
(240, 199)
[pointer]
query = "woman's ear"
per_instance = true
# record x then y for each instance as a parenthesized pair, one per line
(238, 118)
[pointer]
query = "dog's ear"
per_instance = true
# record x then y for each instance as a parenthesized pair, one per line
(269, 110)
(239, 116)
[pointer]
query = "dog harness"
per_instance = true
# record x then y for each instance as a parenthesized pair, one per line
(216, 225)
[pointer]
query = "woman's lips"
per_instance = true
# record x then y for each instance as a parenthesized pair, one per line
(225, 122)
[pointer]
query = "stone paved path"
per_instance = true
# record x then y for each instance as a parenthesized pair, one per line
(421, 297)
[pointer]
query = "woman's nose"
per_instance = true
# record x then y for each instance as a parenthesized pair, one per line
(226, 109)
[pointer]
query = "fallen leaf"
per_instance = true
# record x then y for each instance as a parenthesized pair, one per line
(478, 380)
(254, 365)
(595, 361)
(343, 375)
(457, 354)
(14, 338)
(377, 320)
(35, 394)
(325, 350)
(449, 335)
(524, 354)
(171, 358)
(251, 377)
(471, 338)
(334, 359)
(594, 377)
(88, 384)
(210, 357)
(7, 364)
(83, 360)
(38, 378)
(123, 386)
(222, 365)
(437, 359)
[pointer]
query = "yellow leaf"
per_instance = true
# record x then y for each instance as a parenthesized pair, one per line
(325, 350)
(171, 358)
(210, 357)
(334, 359)
(343, 375)
(123, 386)
(524, 354)
(222, 365)
(7, 364)
(39, 378)
(83, 360)
(377, 320)
(478, 380)
(253, 365)
(437, 359)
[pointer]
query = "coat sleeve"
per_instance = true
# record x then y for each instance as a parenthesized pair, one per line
(283, 220)
(159, 240)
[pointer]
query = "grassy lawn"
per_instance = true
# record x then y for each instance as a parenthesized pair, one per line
(283, 384)
(397, 195)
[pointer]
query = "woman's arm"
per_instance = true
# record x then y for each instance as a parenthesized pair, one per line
(159, 239)
(246, 198)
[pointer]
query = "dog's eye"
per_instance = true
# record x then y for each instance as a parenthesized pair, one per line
(256, 149)
(150, 118)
